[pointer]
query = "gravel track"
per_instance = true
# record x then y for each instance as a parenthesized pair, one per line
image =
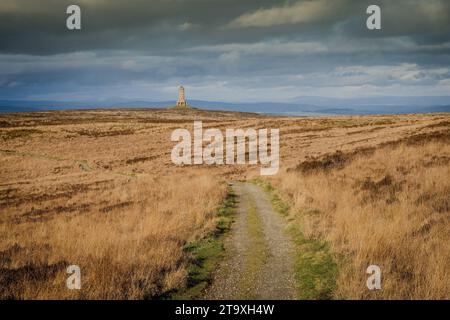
(269, 278)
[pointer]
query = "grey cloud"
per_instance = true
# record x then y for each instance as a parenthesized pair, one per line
(300, 12)
(38, 26)
(236, 49)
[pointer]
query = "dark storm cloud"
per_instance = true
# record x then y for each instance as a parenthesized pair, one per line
(245, 49)
(30, 26)
(38, 26)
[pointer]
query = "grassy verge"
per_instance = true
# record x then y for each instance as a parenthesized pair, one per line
(315, 267)
(207, 253)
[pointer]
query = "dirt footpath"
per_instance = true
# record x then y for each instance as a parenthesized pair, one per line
(259, 261)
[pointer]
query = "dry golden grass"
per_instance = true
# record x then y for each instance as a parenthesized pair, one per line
(97, 189)
(132, 249)
(98, 195)
(388, 207)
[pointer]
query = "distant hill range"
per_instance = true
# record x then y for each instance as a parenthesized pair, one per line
(301, 106)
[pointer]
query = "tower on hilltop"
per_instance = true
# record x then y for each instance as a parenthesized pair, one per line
(181, 98)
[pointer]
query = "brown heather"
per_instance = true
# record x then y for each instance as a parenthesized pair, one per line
(97, 189)
(390, 209)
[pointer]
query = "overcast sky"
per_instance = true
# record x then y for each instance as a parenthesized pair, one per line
(223, 50)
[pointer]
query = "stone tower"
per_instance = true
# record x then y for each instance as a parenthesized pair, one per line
(181, 98)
